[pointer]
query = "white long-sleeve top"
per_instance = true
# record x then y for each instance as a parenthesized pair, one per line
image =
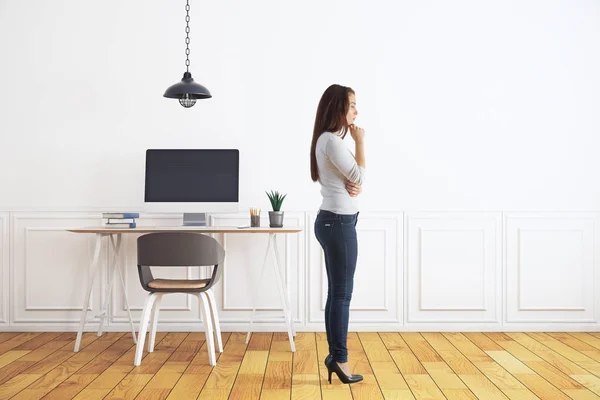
(337, 164)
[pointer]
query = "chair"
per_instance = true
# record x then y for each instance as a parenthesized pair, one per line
(178, 249)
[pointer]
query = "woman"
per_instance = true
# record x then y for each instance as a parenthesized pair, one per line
(340, 175)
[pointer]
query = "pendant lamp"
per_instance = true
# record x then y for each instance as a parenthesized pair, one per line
(187, 91)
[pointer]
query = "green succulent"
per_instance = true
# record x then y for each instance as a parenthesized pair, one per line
(276, 199)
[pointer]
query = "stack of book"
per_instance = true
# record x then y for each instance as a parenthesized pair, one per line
(120, 220)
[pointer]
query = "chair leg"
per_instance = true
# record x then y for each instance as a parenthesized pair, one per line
(215, 319)
(155, 312)
(206, 318)
(144, 328)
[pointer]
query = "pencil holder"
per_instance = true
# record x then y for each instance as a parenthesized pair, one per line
(255, 221)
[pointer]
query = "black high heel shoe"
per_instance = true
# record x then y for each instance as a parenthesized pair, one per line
(332, 366)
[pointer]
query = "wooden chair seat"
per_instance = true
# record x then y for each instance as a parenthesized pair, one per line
(179, 284)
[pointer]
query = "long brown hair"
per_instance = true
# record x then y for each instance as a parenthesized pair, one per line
(331, 117)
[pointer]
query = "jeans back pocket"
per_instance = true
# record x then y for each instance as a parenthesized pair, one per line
(324, 228)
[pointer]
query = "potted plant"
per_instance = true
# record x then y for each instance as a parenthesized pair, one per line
(276, 216)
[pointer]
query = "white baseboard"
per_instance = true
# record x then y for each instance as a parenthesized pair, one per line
(270, 327)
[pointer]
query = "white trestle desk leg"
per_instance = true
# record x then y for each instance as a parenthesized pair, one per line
(86, 301)
(117, 266)
(111, 281)
(256, 290)
(287, 293)
(281, 288)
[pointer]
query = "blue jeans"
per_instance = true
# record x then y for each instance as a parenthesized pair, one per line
(337, 235)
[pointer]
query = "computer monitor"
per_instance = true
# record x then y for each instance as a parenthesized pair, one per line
(192, 181)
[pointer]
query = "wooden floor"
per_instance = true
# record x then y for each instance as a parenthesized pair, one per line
(455, 366)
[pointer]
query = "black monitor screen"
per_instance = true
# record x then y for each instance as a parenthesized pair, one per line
(190, 176)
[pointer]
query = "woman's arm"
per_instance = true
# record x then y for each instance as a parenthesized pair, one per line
(343, 160)
(359, 153)
(358, 134)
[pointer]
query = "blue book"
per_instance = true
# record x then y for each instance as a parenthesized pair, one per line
(120, 215)
(127, 225)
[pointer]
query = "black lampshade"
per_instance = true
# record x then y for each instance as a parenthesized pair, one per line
(187, 89)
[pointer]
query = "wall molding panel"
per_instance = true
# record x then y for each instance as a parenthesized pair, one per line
(4, 269)
(551, 268)
(245, 255)
(454, 267)
(49, 267)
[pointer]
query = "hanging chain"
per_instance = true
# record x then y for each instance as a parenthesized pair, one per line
(187, 36)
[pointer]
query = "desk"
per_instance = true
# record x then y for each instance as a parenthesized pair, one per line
(114, 238)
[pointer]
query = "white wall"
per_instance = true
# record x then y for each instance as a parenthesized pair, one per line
(476, 108)
(467, 104)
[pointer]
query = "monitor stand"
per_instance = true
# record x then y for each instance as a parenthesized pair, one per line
(195, 219)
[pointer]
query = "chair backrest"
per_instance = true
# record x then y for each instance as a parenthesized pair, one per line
(178, 249)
